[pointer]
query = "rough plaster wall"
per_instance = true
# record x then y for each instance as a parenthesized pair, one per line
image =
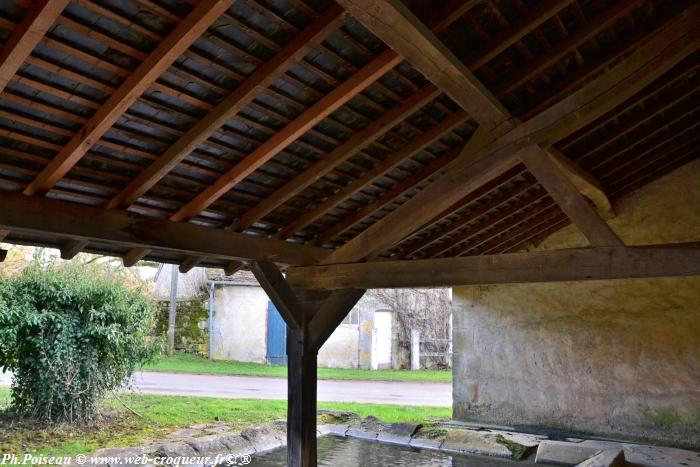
(240, 330)
(617, 357)
(341, 349)
(240, 324)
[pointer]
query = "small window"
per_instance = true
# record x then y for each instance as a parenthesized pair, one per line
(353, 317)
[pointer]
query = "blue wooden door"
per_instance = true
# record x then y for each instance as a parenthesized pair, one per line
(276, 336)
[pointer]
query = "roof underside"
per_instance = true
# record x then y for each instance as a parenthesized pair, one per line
(529, 54)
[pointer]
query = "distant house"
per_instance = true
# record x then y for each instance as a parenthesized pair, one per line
(245, 326)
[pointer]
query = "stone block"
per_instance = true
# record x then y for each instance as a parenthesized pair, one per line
(563, 453)
(428, 438)
(475, 442)
(398, 433)
(236, 444)
(264, 438)
(339, 429)
(211, 445)
(607, 458)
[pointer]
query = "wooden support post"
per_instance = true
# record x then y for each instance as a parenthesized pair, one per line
(311, 317)
(172, 312)
(301, 409)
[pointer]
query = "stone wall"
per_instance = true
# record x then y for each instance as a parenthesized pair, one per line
(618, 358)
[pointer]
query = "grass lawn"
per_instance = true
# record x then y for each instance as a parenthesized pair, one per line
(187, 363)
(161, 415)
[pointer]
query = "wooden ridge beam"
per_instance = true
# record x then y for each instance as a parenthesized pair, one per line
(395, 25)
(491, 153)
(328, 104)
(578, 264)
(245, 93)
(165, 54)
(392, 160)
(342, 153)
(560, 187)
(26, 36)
(72, 221)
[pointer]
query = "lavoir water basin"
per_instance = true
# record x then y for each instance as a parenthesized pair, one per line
(337, 451)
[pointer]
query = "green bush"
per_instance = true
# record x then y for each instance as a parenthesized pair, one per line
(70, 334)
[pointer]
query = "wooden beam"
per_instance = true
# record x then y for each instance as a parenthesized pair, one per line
(399, 189)
(279, 292)
(72, 248)
(491, 154)
(172, 47)
(311, 317)
(261, 79)
(189, 263)
(328, 104)
(441, 15)
(523, 26)
(329, 316)
(554, 179)
(392, 160)
(134, 256)
(77, 222)
(301, 400)
(27, 35)
(470, 216)
(3, 253)
(578, 264)
(233, 267)
(584, 182)
(394, 24)
(342, 153)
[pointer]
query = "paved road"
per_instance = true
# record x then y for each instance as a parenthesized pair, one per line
(239, 387)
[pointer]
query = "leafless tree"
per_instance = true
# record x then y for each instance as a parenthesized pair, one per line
(427, 310)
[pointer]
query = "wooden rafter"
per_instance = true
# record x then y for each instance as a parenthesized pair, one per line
(491, 154)
(392, 160)
(307, 120)
(27, 35)
(172, 47)
(40, 215)
(342, 153)
(251, 88)
(392, 22)
(435, 228)
(578, 264)
(388, 197)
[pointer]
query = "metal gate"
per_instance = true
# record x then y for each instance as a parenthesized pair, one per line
(276, 337)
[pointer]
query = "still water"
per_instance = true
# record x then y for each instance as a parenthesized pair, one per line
(335, 451)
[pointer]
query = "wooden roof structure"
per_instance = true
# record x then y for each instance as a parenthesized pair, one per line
(358, 144)
(311, 122)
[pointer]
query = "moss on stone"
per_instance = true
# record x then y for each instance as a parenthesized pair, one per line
(518, 450)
